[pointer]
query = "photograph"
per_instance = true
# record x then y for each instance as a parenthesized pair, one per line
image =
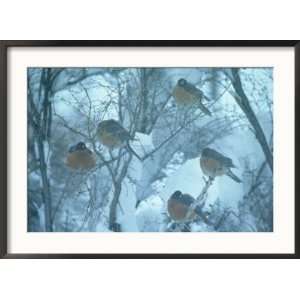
(139, 149)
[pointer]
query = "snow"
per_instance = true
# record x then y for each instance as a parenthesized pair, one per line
(187, 179)
(128, 198)
(175, 165)
(149, 215)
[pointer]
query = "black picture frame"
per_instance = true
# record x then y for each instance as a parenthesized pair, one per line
(5, 45)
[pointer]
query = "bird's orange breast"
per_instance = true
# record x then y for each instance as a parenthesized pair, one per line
(183, 97)
(80, 160)
(179, 212)
(212, 167)
(108, 139)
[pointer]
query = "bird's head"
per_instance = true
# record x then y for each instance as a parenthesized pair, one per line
(111, 121)
(176, 195)
(181, 82)
(81, 146)
(107, 124)
(206, 152)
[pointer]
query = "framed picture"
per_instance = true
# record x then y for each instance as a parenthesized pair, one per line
(149, 149)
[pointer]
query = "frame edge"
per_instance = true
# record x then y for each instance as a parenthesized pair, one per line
(3, 150)
(3, 139)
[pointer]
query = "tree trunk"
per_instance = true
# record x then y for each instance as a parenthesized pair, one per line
(41, 119)
(117, 181)
(243, 101)
(113, 225)
(46, 193)
(144, 102)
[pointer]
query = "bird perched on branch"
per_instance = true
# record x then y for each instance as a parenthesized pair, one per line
(215, 164)
(180, 208)
(113, 135)
(186, 94)
(79, 157)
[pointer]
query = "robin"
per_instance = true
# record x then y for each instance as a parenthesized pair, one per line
(113, 135)
(215, 164)
(180, 210)
(186, 93)
(79, 157)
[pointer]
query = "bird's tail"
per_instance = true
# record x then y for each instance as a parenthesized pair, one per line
(137, 203)
(198, 211)
(204, 108)
(132, 151)
(233, 176)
